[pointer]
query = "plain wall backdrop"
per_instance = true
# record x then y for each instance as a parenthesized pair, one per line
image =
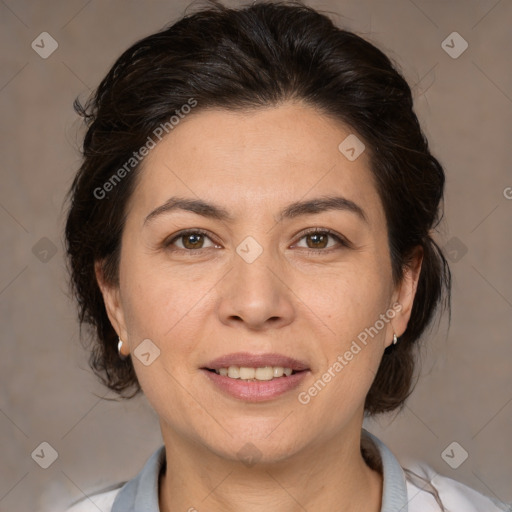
(48, 393)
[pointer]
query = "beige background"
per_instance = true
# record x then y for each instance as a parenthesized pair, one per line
(47, 391)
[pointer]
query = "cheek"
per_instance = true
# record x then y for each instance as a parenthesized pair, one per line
(168, 305)
(351, 356)
(355, 306)
(157, 295)
(353, 299)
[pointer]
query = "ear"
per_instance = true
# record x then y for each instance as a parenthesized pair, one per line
(111, 297)
(405, 293)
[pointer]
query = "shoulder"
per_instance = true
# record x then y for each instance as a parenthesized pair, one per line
(100, 501)
(427, 490)
(142, 489)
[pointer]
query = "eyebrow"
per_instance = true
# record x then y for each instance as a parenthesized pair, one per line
(293, 210)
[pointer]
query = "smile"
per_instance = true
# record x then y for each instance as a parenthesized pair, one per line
(264, 373)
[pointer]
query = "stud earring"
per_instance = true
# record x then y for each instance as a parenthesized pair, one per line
(119, 345)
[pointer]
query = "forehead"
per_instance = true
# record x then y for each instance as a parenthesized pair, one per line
(255, 160)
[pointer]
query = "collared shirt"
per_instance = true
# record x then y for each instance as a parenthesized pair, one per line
(403, 491)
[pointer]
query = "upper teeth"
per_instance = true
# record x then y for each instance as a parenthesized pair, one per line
(246, 373)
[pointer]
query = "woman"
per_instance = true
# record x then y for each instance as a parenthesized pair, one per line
(250, 236)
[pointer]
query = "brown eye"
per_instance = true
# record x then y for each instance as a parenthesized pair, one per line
(193, 241)
(318, 240)
(190, 240)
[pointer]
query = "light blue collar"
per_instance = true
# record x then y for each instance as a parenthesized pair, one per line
(394, 487)
(141, 493)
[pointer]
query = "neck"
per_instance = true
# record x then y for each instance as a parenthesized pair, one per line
(330, 476)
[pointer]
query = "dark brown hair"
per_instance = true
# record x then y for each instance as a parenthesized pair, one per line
(254, 57)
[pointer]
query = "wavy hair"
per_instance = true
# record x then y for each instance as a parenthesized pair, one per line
(253, 57)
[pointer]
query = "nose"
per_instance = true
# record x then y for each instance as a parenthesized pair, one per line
(256, 295)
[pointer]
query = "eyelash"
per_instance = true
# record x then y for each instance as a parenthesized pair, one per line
(192, 252)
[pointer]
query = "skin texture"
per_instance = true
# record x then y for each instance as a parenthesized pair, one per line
(307, 305)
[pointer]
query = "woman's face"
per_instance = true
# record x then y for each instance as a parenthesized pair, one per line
(253, 282)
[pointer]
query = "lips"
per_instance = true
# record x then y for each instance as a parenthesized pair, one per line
(256, 361)
(229, 374)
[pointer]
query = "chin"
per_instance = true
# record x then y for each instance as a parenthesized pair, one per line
(256, 449)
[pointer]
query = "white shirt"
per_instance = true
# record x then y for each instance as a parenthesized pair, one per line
(404, 490)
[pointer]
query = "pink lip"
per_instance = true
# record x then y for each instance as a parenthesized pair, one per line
(256, 361)
(255, 391)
